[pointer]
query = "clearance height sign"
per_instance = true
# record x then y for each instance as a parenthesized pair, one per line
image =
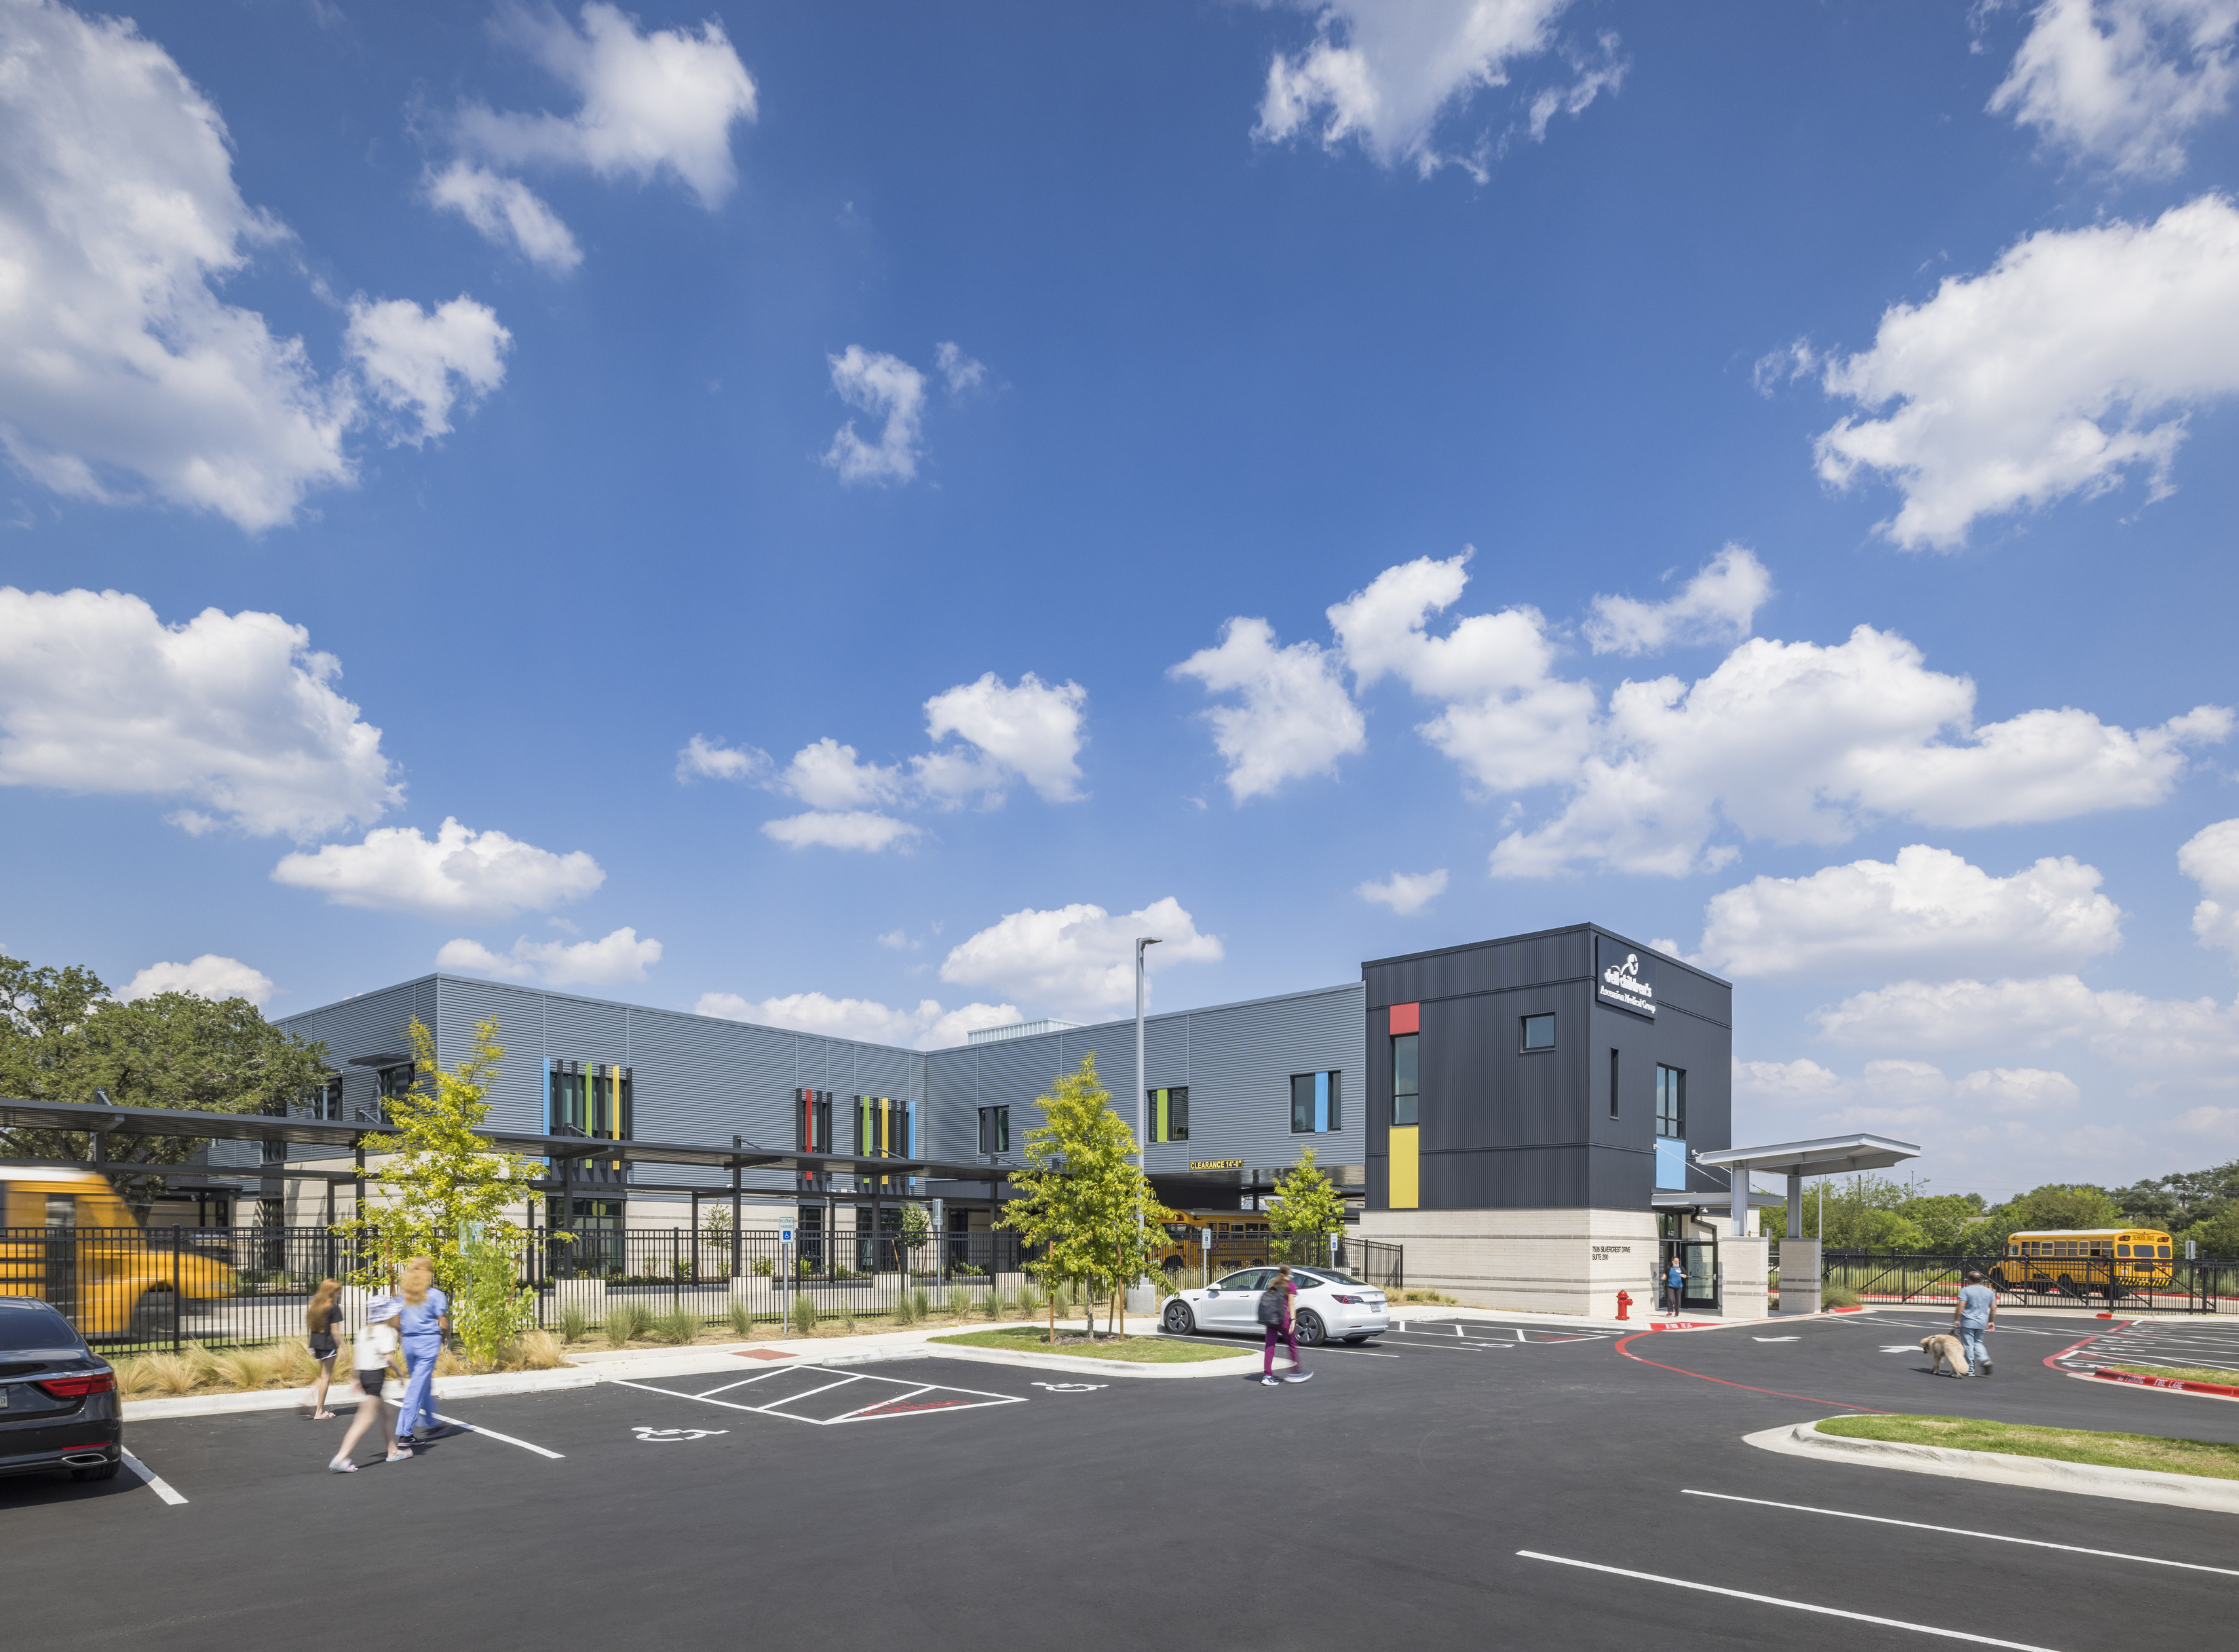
(1624, 977)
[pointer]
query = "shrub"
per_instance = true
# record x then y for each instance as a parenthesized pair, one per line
(626, 1323)
(1030, 1301)
(574, 1323)
(1835, 1296)
(905, 1310)
(996, 1305)
(804, 1315)
(959, 1301)
(742, 1320)
(763, 1268)
(678, 1325)
(848, 1319)
(922, 1302)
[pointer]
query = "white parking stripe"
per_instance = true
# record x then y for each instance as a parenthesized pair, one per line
(759, 1376)
(870, 1413)
(1962, 1531)
(1794, 1606)
(156, 1483)
(922, 1388)
(476, 1428)
(794, 1399)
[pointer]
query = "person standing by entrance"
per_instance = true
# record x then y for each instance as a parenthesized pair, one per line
(1275, 1314)
(424, 1323)
(1976, 1313)
(1675, 1284)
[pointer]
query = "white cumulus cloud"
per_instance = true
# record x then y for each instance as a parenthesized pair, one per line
(1803, 743)
(1405, 892)
(961, 372)
(2069, 364)
(122, 373)
(656, 104)
(1077, 959)
(1033, 731)
(619, 956)
(1931, 912)
(234, 715)
(1896, 1096)
(703, 759)
(504, 210)
(828, 775)
(424, 360)
(1384, 75)
(1295, 718)
(887, 388)
(458, 873)
(210, 976)
(1719, 605)
(1509, 721)
(864, 829)
(2123, 82)
(2210, 858)
(927, 1027)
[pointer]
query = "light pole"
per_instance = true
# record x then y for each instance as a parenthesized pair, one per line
(1142, 1081)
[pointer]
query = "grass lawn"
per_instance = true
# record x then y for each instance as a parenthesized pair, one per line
(1157, 1351)
(2187, 1373)
(2204, 1457)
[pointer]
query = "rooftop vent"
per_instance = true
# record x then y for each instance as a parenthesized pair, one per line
(1019, 1030)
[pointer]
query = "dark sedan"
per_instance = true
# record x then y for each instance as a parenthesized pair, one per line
(59, 1410)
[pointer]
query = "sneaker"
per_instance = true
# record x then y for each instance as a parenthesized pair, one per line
(1987, 1368)
(1298, 1376)
(1269, 1380)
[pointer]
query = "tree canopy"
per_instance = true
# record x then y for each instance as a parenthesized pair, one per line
(63, 1037)
(1306, 1207)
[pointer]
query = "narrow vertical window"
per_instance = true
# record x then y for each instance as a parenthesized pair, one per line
(1403, 1078)
(994, 1130)
(1612, 1083)
(1671, 1103)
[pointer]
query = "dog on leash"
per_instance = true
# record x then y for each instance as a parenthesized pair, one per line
(1944, 1350)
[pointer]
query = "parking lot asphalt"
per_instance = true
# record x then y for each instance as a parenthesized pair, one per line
(1456, 1495)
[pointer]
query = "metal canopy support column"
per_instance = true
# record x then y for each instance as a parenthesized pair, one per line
(736, 1238)
(1795, 1203)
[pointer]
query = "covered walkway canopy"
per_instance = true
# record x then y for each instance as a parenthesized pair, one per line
(1827, 1155)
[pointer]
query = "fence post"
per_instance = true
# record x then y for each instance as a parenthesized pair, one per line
(675, 1270)
(178, 1291)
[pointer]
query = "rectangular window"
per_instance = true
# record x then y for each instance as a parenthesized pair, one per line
(994, 1130)
(585, 1098)
(1315, 1107)
(1403, 1078)
(1538, 1031)
(1612, 1083)
(1169, 1110)
(883, 1127)
(1671, 1103)
(811, 1121)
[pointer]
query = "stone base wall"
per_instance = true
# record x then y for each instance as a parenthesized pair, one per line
(1742, 1293)
(1799, 1276)
(1562, 1261)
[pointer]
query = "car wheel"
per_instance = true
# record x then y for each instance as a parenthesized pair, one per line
(1179, 1320)
(106, 1471)
(1308, 1325)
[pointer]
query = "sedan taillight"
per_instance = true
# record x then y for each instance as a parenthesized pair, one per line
(76, 1388)
(1350, 1301)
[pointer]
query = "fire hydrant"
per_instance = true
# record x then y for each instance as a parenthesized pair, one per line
(1623, 1302)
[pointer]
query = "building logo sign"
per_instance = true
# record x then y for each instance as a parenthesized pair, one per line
(1623, 977)
(1216, 1164)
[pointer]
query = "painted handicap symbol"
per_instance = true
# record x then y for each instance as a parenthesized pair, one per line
(652, 1437)
(1070, 1388)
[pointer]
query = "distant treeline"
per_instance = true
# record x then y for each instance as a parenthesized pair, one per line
(1875, 1213)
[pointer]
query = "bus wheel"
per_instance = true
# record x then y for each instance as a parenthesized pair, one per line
(2067, 1286)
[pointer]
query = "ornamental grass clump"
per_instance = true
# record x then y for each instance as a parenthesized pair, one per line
(804, 1315)
(626, 1322)
(677, 1326)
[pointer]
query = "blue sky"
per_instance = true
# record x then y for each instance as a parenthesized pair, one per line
(619, 404)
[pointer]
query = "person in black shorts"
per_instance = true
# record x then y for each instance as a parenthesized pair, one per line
(377, 1344)
(319, 1320)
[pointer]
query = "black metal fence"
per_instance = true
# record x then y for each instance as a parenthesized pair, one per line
(2202, 1287)
(1379, 1263)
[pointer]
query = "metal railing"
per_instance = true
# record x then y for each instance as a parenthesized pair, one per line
(2199, 1287)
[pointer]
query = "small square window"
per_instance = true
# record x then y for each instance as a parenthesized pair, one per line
(1538, 1031)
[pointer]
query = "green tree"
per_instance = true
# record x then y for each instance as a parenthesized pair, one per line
(1307, 1209)
(1080, 1198)
(1945, 1220)
(915, 1230)
(2061, 1205)
(444, 1193)
(2218, 1236)
(62, 1038)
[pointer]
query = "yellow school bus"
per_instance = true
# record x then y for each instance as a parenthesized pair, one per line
(2084, 1262)
(68, 1240)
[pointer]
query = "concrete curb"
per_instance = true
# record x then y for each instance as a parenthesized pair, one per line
(2001, 1467)
(592, 1367)
(2198, 1391)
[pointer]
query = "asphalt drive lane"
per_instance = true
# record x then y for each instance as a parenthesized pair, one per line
(1382, 1498)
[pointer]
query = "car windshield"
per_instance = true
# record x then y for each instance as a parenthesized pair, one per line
(1331, 1276)
(25, 1326)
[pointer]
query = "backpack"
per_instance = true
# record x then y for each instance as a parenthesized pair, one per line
(1270, 1306)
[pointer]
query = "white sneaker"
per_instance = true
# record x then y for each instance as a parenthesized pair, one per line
(1298, 1376)
(1269, 1380)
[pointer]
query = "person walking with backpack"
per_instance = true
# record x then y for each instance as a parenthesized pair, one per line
(1275, 1314)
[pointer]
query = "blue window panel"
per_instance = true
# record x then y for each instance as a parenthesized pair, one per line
(1670, 1165)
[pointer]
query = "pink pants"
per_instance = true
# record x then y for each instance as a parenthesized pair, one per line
(1279, 1334)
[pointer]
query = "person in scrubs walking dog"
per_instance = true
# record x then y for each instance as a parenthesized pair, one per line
(424, 1323)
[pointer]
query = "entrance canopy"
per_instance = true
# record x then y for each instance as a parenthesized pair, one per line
(1828, 1156)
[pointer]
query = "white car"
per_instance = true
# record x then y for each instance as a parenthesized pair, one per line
(1329, 1304)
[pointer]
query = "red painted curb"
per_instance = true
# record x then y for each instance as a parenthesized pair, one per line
(2229, 1392)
